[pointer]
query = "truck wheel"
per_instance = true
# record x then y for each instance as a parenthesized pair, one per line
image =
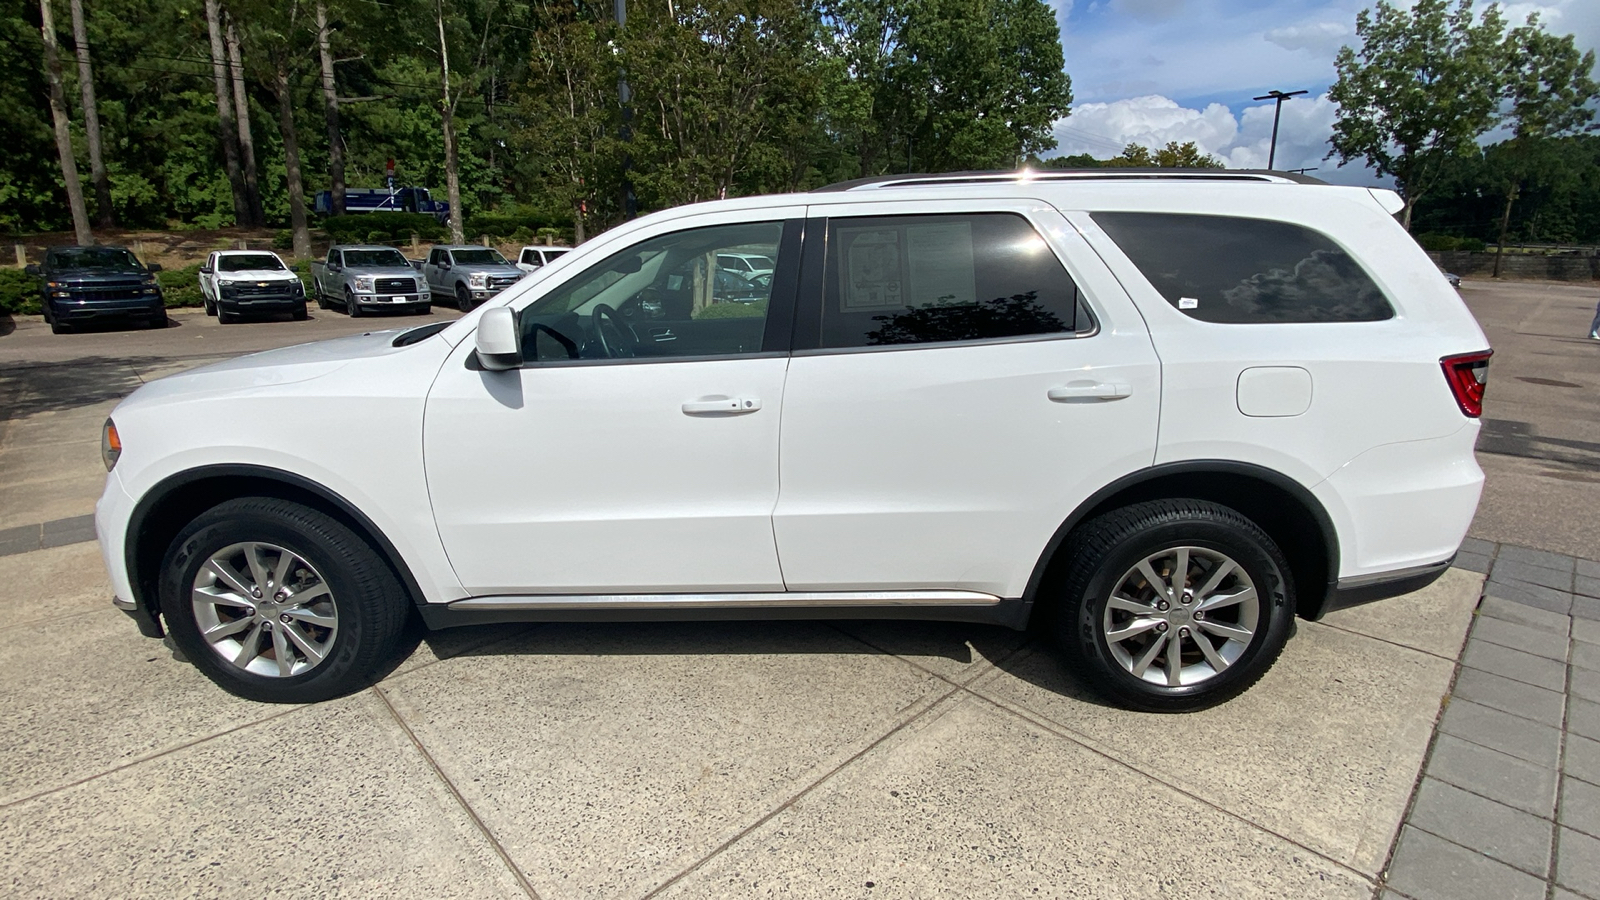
(59, 327)
(211, 306)
(300, 314)
(279, 603)
(226, 318)
(1173, 605)
(351, 307)
(463, 299)
(160, 321)
(322, 299)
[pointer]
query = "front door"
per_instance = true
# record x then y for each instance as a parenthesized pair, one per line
(636, 450)
(964, 375)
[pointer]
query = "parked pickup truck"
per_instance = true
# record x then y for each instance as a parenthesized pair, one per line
(363, 279)
(470, 274)
(240, 282)
(90, 284)
(532, 259)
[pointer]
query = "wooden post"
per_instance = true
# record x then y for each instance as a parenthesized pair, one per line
(22, 256)
(416, 244)
(483, 239)
(549, 240)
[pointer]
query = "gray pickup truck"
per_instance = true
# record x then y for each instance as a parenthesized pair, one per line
(364, 279)
(470, 274)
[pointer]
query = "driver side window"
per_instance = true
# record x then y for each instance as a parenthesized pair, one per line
(661, 298)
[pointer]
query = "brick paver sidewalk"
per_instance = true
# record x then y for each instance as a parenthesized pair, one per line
(1509, 803)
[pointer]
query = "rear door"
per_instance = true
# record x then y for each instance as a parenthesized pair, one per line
(965, 374)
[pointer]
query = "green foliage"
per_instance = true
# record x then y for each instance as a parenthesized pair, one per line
(1445, 242)
(381, 227)
(283, 239)
(1558, 200)
(19, 292)
(501, 225)
(1173, 156)
(181, 287)
(732, 310)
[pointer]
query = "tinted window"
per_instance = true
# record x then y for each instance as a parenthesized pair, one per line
(531, 258)
(241, 263)
(375, 259)
(1226, 269)
(110, 258)
(485, 257)
(925, 279)
(663, 297)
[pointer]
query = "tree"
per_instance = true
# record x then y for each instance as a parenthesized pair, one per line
(105, 217)
(1550, 92)
(1425, 85)
(247, 143)
(1174, 155)
(58, 112)
(330, 107)
(225, 122)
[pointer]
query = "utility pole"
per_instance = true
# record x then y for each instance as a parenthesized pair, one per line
(630, 202)
(1280, 96)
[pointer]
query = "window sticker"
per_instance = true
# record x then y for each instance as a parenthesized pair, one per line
(1188, 303)
(942, 270)
(872, 270)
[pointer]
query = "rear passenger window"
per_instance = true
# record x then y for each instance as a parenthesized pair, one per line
(1235, 270)
(940, 278)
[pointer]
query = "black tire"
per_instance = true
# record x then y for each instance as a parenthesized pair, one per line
(463, 299)
(160, 321)
(351, 307)
(59, 327)
(1102, 551)
(322, 299)
(372, 605)
(225, 317)
(300, 314)
(211, 307)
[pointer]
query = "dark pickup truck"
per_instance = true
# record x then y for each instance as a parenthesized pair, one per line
(93, 284)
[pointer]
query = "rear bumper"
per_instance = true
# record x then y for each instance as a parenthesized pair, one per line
(1348, 592)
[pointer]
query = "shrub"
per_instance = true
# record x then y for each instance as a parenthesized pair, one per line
(505, 225)
(382, 227)
(1447, 242)
(19, 292)
(733, 310)
(1472, 244)
(181, 287)
(283, 239)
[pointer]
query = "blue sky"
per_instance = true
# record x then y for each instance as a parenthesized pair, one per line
(1150, 71)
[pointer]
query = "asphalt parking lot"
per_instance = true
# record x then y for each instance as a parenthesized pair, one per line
(772, 759)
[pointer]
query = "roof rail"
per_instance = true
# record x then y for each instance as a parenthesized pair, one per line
(1108, 174)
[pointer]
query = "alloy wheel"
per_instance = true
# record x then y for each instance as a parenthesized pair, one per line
(265, 610)
(1181, 616)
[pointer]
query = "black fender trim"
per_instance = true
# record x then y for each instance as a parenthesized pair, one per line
(152, 498)
(1306, 608)
(1372, 588)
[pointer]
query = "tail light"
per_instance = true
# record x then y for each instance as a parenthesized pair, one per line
(1468, 375)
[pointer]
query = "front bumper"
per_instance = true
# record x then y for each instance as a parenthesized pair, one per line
(392, 299)
(111, 514)
(68, 310)
(262, 302)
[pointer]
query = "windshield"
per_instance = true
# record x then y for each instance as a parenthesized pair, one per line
(484, 257)
(248, 262)
(113, 258)
(375, 259)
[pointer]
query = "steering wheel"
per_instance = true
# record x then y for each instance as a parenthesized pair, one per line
(623, 339)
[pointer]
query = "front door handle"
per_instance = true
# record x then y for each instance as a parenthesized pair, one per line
(721, 406)
(1084, 391)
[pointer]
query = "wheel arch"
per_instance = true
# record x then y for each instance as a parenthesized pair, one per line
(165, 509)
(1283, 507)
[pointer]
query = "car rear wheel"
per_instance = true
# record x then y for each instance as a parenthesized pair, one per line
(277, 602)
(350, 305)
(1174, 605)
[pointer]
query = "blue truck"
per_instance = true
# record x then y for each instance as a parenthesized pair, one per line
(405, 199)
(81, 285)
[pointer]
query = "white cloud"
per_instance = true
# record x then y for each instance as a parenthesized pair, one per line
(1241, 142)
(1319, 38)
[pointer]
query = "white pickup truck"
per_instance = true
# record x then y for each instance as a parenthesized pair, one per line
(532, 259)
(242, 282)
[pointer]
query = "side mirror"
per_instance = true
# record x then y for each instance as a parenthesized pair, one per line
(32, 269)
(154, 268)
(206, 270)
(498, 348)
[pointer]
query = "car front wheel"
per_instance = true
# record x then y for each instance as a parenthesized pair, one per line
(277, 602)
(351, 307)
(1174, 605)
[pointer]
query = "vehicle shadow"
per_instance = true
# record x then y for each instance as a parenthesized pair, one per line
(73, 384)
(931, 646)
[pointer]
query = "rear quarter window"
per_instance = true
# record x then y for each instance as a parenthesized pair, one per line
(1235, 270)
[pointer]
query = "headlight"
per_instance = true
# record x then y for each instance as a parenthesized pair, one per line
(478, 280)
(110, 445)
(364, 283)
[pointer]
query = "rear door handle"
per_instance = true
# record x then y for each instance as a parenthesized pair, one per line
(721, 406)
(1081, 391)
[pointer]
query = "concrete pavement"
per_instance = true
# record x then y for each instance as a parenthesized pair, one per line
(720, 759)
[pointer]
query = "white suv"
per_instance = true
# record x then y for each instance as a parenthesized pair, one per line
(1157, 415)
